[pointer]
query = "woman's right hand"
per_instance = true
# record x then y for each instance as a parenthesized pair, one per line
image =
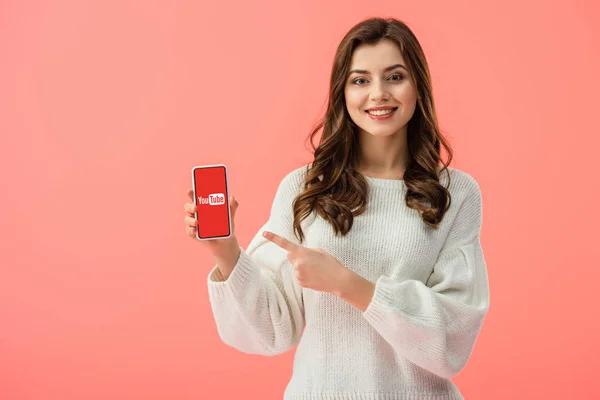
(221, 249)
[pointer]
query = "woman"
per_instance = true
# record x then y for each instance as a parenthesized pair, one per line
(371, 259)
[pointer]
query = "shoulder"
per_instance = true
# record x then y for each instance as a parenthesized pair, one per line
(293, 181)
(297, 174)
(460, 183)
(466, 199)
(465, 193)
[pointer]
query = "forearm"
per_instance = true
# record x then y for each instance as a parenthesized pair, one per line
(227, 259)
(256, 310)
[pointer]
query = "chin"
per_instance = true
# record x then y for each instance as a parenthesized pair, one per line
(381, 131)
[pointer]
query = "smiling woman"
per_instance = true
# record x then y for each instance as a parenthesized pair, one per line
(380, 122)
(391, 81)
(384, 289)
(381, 95)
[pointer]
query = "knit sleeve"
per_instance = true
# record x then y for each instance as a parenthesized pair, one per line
(259, 309)
(435, 324)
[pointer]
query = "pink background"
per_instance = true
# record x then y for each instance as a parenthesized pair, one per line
(106, 105)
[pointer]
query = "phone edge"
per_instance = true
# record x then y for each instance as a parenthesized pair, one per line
(227, 195)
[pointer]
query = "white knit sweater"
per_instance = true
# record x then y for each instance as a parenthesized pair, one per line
(419, 330)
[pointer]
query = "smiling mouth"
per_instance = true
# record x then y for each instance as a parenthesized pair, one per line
(381, 112)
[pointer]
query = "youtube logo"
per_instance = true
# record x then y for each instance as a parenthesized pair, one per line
(215, 199)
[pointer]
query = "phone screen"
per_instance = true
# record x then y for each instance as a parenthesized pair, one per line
(211, 196)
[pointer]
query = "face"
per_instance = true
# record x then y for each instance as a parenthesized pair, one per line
(379, 79)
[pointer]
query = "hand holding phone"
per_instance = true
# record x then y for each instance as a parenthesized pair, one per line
(210, 214)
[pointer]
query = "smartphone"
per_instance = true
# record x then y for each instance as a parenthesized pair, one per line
(211, 197)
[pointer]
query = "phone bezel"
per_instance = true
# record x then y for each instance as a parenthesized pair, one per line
(226, 199)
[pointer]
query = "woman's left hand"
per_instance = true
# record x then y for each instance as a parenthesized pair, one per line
(315, 268)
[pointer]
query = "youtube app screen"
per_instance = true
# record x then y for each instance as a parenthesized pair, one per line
(212, 201)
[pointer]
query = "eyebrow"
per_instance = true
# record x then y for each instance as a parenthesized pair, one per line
(391, 67)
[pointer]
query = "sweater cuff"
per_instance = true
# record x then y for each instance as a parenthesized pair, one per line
(378, 307)
(237, 282)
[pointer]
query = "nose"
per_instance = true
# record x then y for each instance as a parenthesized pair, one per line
(379, 92)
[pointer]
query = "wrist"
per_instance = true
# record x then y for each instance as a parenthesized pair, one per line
(346, 283)
(357, 291)
(228, 256)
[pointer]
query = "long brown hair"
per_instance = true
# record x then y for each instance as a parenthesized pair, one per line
(333, 188)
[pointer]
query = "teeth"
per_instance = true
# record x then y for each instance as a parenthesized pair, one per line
(381, 112)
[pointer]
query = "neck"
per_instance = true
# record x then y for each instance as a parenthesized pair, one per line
(383, 155)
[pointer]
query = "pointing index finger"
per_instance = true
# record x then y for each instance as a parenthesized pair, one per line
(280, 241)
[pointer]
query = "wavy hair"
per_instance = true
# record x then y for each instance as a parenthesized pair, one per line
(332, 187)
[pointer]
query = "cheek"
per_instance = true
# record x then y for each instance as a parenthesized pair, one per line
(353, 101)
(407, 95)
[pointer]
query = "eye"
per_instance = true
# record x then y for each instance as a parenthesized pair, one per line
(398, 76)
